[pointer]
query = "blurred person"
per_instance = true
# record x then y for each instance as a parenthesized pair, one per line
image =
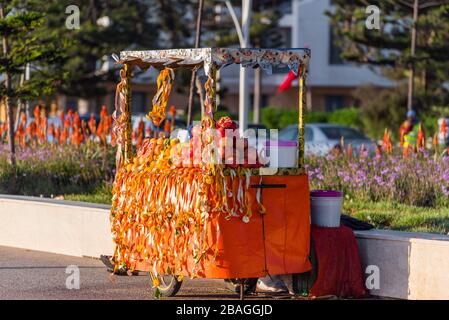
(411, 132)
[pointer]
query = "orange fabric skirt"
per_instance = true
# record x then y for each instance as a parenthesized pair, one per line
(277, 242)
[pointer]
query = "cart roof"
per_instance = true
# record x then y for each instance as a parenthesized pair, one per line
(279, 59)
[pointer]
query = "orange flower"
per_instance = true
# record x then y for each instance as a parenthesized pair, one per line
(172, 111)
(37, 112)
(103, 112)
(51, 130)
(167, 126)
(435, 139)
(405, 152)
(57, 134)
(443, 128)
(420, 143)
(61, 116)
(349, 151)
(387, 145)
(92, 124)
(64, 135)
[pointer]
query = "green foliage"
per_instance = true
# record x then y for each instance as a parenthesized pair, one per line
(91, 45)
(430, 119)
(395, 216)
(264, 29)
(389, 47)
(270, 117)
(274, 117)
(30, 42)
(102, 194)
(347, 116)
(133, 25)
(316, 117)
(381, 108)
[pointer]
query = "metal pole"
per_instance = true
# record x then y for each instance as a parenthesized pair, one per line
(301, 108)
(27, 78)
(257, 94)
(411, 82)
(197, 44)
(128, 128)
(243, 88)
(236, 23)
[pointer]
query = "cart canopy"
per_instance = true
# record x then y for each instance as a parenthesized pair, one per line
(270, 60)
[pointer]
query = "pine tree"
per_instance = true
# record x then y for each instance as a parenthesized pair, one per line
(26, 41)
(389, 47)
(132, 25)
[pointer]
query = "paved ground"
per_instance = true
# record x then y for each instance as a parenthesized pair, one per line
(26, 274)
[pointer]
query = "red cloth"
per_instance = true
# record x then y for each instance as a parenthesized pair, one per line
(339, 267)
(287, 83)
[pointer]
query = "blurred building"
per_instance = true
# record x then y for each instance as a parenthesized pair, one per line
(331, 81)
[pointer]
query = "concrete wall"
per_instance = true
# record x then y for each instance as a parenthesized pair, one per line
(411, 265)
(64, 227)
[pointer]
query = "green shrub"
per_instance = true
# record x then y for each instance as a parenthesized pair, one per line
(347, 116)
(316, 117)
(280, 118)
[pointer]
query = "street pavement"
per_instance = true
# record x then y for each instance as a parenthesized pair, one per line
(26, 274)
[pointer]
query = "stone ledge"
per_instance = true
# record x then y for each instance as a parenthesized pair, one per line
(55, 201)
(399, 235)
(411, 265)
(57, 226)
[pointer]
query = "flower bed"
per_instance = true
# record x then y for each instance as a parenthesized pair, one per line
(50, 170)
(416, 180)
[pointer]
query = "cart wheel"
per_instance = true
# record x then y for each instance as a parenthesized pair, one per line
(249, 285)
(168, 286)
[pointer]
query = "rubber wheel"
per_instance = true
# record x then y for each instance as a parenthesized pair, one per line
(249, 285)
(169, 285)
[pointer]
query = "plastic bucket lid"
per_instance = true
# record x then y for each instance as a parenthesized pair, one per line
(281, 143)
(326, 193)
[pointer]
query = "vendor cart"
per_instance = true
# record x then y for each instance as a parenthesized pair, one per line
(209, 220)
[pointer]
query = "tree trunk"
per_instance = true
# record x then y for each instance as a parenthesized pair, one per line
(411, 79)
(8, 101)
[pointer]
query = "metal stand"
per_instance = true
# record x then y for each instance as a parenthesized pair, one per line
(242, 289)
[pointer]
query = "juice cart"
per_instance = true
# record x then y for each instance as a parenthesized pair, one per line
(206, 220)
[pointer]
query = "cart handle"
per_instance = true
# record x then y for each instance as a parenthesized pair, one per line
(268, 186)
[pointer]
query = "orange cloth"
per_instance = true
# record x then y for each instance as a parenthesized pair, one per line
(277, 243)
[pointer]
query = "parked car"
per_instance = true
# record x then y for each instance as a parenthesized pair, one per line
(320, 138)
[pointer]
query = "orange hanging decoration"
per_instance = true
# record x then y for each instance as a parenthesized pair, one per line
(160, 99)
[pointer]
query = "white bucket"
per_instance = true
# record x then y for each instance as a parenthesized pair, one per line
(283, 154)
(326, 210)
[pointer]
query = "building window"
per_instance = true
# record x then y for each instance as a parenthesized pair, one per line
(138, 102)
(286, 37)
(334, 102)
(334, 49)
(285, 7)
